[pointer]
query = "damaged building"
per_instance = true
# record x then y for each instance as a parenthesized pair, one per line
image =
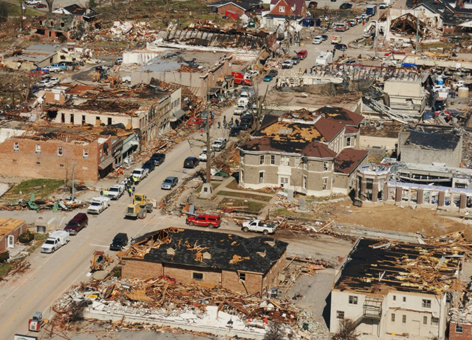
(246, 265)
(146, 108)
(52, 151)
(393, 290)
(311, 153)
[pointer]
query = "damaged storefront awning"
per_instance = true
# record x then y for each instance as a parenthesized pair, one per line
(177, 115)
(106, 163)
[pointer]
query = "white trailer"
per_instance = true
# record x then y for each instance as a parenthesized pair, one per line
(55, 240)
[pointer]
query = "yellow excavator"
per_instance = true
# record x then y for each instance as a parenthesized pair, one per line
(140, 207)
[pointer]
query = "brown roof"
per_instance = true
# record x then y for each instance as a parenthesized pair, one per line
(348, 160)
(341, 114)
(329, 128)
(351, 129)
(310, 149)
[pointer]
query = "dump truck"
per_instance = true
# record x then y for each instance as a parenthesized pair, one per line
(140, 207)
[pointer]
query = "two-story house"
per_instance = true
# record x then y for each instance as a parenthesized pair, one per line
(393, 290)
(282, 10)
(313, 153)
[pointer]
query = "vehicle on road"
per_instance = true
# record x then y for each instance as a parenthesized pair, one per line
(35, 323)
(259, 227)
(53, 82)
(324, 58)
(56, 240)
(341, 27)
(352, 22)
(268, 78)
(41, 6)
(116, 191)
(302, 54)
(287, 64)
(203, 157)
(240, 109)
(252, 73)
(246, 122)
(119, 61)
(32, 2)
(345, 5)
(296, 60)
(335, 39)
(211, 221)
(76, 224)
(169, 183)
(191, 162)
(325, 37)
(313, 4)
(317, 40)
(52, 68)
(149, 165)
(140, 173)
(235, 130)
(219, 144)
(383, 5)
(97, 206)
(341, 47)
(241, 79)
(158, 158)
(140, 207)
(119, 241)
(370, 10)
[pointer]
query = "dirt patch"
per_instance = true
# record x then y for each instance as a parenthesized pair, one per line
(390, 217)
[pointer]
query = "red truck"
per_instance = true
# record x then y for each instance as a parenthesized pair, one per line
(240, 79)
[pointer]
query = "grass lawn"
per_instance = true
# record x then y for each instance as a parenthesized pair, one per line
(38, 241)
(294, 214)
(241, 205)
(14, 11)
(4, 268)
(245, 195)
(41, 188)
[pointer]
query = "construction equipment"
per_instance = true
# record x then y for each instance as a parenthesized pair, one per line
(36, 322)
(140, 207)
(100, 261)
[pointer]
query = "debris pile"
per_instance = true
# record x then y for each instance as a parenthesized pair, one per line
(162, 299)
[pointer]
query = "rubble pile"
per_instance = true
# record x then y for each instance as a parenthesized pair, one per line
(164, 299)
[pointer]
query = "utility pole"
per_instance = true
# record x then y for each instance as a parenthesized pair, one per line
(417, 33)
(208, 145)
(375, 39)
(73, 179)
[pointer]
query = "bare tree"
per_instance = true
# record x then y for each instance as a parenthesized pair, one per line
(50, 3)
(347, 331)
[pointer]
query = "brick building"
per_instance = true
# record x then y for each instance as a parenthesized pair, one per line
(246, 265)
(460, 330)
(51, 152)
(10, 230)
(282, 10)
(233, 9)
(309, 152)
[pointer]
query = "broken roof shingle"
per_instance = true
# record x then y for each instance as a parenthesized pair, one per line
(348, 160)
(438, 140)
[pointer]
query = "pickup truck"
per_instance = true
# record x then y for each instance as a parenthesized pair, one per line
(116, 191)
(240, 109)
(259, 227)
(98, 205)
(56, 240)
(219, 144)
(140, 173)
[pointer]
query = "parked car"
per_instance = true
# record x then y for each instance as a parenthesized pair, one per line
(55, 240)
(246, 121)
(119, 242)
(77, 223)
(191, 162)
(116, 191)
(219, 144)
(345, 5)
(53, 82)
(118, 61)
(352, 22)
(325, 37)
(52, 68)
(287, 64)
(258, 226)
(317, 40)
(252, 73)
(341, 47)
(383, 5)
(235, 130)
(158, 158)
(296, 60)
(240, 109)
(268, 78)
(96, 207)
(140, 173)
(203, 157)
(150, 165)
(302, 54)
(273, 73)
(313, 4)
(41, 6)
(32, 2)
(169, 183)
(69, 65)
(211, 221)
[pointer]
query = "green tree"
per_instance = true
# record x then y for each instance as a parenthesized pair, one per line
(3, 11)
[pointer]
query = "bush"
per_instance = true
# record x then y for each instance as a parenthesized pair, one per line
(26, 237)
(4, 256)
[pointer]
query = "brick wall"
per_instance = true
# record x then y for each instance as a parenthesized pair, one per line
(139, 269)
(184, 274)
(47, 163)
(271, 279)
(230, 7)
(16, 233)
(252, 282)
(455, 334)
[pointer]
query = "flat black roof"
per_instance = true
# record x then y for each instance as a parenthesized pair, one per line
(437, 140)
(225, 251)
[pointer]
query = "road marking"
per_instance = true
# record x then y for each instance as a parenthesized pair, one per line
(139, 231)
(98, 245)
(15, 315)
